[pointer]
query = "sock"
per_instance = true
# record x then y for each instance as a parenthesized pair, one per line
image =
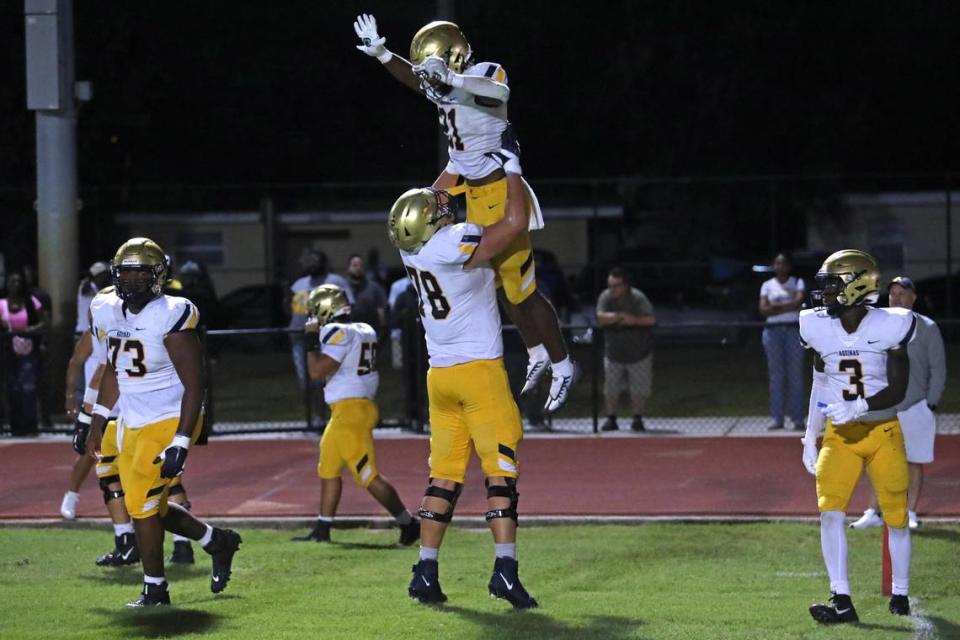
(73, 495)
(901, 549)
(833, 542)
(153, 580)
(508, 550)
(562, 368)
(538, 353)
(207, 536)
(404, 518)
(429, 553)
(325, 519)
(912, 515)
(178, 538)
(120, 529)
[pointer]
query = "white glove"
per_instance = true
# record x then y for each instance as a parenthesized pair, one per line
(844, 412)
(434, 69)
(810, 452)
(372, 42)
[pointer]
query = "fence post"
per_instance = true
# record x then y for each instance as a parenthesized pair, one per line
(595, 378)
(208, 418)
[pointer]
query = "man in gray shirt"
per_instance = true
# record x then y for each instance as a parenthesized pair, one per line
(928, 375)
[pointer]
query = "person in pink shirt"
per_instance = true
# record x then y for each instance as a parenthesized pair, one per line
(21, 316)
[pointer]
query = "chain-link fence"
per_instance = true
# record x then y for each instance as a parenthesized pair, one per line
(706, 378)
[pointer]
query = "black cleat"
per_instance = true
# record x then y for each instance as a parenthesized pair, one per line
(410, 532)
(182, 553)
(637, 424)
(225, 543)
(900, 605)
(153, 595)
(125, 552)
(505, 584)
(838, 611)
(319, 533)
(610, 424)
(425, 585)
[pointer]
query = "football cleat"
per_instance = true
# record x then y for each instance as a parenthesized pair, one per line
(505, 584)
(182, 553)
(839, 610)
(610, 424)
(224, 545)
(637, 424)
(899, 605)
(410, 532)
(912, 520)
(425, 584)
(68, 508)
(869, 519)
(535, 371)
(560, 387)
(124, 552)
(319, 533)
(153, 595)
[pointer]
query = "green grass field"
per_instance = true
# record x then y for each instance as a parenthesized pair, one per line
(652, 581)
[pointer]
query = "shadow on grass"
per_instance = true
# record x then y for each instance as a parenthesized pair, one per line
(368, 545)
(159, 622)
(133, 575)
(950, 535)
(945, 628)
(872, 626)
(532, 624)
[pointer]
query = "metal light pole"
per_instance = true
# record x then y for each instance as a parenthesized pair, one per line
(52, 94)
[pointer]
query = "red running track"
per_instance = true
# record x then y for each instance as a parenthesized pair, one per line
(634, 476)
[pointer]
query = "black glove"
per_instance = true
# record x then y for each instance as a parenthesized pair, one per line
(81, 429)
(174, 457)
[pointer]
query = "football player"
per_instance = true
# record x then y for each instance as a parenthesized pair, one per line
(471, 99)
(861, 371)
(469, 394)
(347, 363)
(154, 368)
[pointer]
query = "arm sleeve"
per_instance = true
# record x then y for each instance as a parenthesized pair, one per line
(492, 84)
(938, 365)
(335, 341)
(99, 347)
(818, 397)
(183, 316)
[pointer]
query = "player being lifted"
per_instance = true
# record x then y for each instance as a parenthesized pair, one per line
(467, 386)
(860, 374)
(471, 99)
(149, 342)
(347, 362)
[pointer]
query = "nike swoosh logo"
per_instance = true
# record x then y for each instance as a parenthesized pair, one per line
(139, 328)
(216, 578)
(126, 556)
(842, 611)
(507, 582)
(493, 206)
(425, 581)
(888, 430)
(872, 341)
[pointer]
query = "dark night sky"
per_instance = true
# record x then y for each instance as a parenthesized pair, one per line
(218, 92)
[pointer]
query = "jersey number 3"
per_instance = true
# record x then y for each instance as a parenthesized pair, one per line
(139, 370)
(425, 282)
(856, 379)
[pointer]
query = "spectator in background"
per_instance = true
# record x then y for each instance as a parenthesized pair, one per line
(44, 384)
(369, 299)
(397, 288)
(23, 314)
(316, 273)
(376, 271)
(928, 376)
(780, 300)
(627, 318)
(195, 288)
(552, 283)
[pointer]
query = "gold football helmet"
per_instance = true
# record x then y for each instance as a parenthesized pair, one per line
(847, 278)
(415, 217)
(140, 254)
(326, 302)
(445, 40)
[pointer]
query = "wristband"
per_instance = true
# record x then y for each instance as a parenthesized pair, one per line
(180, 440)
(385, 57)
(90, 395)
(100, 410)
(84, 418)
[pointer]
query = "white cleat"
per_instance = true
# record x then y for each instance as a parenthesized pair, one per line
(869, 519)
(535, 371)
(560, 386)
(68, 508)
(912, 521)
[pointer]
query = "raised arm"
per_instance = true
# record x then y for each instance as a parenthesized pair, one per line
(372, 44)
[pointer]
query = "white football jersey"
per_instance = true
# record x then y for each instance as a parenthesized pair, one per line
(475, 132)
(458, 307)
(354, 346)
(856, 363)
(150, 389)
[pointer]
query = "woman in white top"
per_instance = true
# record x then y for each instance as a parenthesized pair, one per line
(780, 300)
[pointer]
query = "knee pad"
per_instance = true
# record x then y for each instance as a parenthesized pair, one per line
(509, 491)
(108, 493)
(450, 496)
(894, 512)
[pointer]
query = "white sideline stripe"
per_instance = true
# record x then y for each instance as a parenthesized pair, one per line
(923, 627)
